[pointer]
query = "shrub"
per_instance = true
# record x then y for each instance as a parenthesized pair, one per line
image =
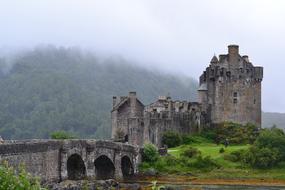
(272, 138)
(238, 155)
(62, 135)
(204, 163)
(261, 157)
(236, 133)
(150, 153)
(222, 150)
(171, 139)
(12, 180)
(190, 152)
(231, 157)
(171, 160)
(197, 139)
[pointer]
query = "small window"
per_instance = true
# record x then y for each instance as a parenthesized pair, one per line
(228, 73)
(235, 94)
(235, 101)
(254, 101)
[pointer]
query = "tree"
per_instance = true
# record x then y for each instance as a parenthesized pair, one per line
(171, 139)
(150, 153)
(62, 135)
(12, 180)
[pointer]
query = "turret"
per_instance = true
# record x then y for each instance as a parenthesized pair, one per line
(233, 51)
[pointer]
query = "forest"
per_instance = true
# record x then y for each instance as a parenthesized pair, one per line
(50, 88)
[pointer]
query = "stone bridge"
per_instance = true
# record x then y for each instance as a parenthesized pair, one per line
(58, 160)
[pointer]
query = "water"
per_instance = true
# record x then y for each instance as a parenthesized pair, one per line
(224, 187)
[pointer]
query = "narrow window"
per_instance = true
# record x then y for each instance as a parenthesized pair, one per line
(235, 101)
(235, 94)
(254, 101)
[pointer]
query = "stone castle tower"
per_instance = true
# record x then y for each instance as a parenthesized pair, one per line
(230, 89)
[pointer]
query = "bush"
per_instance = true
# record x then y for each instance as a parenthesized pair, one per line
(272, 138)
(238, 154)
(12, 180)
(231, 157)
(261, 157)
(170, 160)
(204, 163)
(150, 153)
(171, 139)
(268, 150)
(62, 135)
(236, 133)
(197, 139)
(222, 150)
(190, 152)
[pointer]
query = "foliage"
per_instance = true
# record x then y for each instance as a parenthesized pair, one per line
(190, 152)
(12, 180)
(155, 187)
(194, 139)
(268, 149)
(235, 156)
(272, 138)
(204, 163)
(222, 150)
(119, 133)
(150, 153)
(62, 135)
(261, 157)
(171, 139)
(50, 89)
(236, 133)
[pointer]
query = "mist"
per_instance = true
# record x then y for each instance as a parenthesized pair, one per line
(178, 37)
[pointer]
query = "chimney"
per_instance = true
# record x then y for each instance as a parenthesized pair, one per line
(133, 102)
(245, 57)
(132, 94)
(233, 51)
(114, 101)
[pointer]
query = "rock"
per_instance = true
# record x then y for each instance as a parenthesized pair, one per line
(127, 186)
(151, 172)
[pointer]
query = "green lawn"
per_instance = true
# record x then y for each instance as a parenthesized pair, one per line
(228, 170)
(210, 149)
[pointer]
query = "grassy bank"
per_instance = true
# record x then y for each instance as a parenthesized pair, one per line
(218, 166)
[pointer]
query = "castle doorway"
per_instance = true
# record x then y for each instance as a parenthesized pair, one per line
(127, 167)
(75, 167)
(104, 168)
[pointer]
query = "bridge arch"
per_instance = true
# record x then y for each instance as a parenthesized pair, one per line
(127, 166)
(76, 169)
(104, 168)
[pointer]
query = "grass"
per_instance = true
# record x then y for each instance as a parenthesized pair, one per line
(213, 150)
(227, 169)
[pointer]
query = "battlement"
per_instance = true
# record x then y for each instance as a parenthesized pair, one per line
(223, 69)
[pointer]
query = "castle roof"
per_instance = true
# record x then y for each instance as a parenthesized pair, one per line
(203, 87)
(214, 59)
(123, 101)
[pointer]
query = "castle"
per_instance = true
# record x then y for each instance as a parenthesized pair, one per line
(230, 90)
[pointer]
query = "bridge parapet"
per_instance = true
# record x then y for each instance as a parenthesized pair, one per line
(57, 160)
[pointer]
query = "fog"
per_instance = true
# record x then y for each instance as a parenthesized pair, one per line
(178, 36)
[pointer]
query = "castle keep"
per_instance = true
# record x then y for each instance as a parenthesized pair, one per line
(230, 90)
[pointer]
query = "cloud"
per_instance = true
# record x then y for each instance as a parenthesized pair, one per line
(177, 36)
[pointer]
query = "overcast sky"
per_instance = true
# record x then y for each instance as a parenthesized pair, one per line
(179, 36)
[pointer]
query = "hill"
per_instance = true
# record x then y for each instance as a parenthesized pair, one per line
(270, 119)
(50, 89)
